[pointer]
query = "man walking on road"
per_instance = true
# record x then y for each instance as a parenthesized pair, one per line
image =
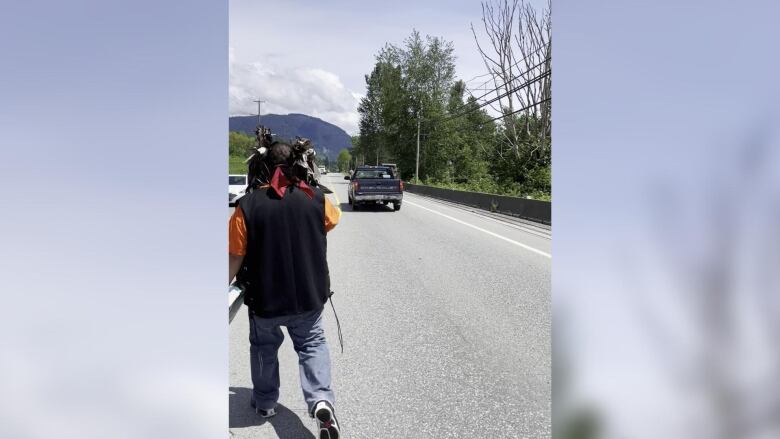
(277, 250)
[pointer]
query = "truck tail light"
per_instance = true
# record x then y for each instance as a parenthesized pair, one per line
(355, 185)
(402, 184)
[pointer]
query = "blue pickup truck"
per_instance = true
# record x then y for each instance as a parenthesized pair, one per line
(375, 184)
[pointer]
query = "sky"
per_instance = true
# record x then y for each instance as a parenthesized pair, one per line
(311, 57)
(640, 197)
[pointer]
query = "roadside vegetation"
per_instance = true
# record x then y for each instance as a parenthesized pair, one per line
(496, 141)
(239, 145)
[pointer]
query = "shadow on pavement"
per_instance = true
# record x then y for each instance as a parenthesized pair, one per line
(286, 423)
(345, 207)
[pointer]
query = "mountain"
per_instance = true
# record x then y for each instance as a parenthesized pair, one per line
(328, 138)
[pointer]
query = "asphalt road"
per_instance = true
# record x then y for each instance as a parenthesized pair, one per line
(445, 314)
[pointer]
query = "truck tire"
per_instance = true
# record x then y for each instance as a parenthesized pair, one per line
(396, 206)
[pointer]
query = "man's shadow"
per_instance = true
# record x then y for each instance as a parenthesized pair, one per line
(286, 423)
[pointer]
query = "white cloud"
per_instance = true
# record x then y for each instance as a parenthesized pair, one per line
(306, 90)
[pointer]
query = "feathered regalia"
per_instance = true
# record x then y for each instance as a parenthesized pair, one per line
(302, 164)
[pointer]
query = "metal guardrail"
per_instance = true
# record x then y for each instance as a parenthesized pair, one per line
(534, 210)
(235, 300)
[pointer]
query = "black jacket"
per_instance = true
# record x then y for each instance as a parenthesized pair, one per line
(285, 268)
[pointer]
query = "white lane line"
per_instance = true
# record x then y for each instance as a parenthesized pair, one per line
(338, 202)
(511, 241)
(336, 196)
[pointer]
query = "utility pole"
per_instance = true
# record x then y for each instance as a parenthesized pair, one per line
(259, 107)
(417, 166)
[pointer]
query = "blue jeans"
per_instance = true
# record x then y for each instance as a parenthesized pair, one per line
(308, 338)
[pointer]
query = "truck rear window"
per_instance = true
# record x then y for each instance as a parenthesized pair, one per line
(373, 173)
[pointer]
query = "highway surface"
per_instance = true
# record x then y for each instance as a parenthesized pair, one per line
(445, 313)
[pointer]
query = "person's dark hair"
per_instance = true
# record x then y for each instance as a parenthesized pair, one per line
(280, 153)
(261, 168)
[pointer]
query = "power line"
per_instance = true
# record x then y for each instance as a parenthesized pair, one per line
(518, 111)
(513, 78)
(508, 114)
(513, 65)
(503, 85)
(507, 93)
(479, 76)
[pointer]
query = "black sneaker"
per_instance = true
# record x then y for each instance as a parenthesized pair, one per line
(326, 419)
(264, 413)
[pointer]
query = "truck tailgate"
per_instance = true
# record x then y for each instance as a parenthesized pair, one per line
(378, 185)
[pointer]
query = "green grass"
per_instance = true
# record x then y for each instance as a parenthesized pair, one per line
(490, 188)
(237, 165)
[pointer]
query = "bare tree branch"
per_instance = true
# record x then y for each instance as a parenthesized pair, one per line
(518, 49)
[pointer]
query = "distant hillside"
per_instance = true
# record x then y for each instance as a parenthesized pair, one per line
(328, 138)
